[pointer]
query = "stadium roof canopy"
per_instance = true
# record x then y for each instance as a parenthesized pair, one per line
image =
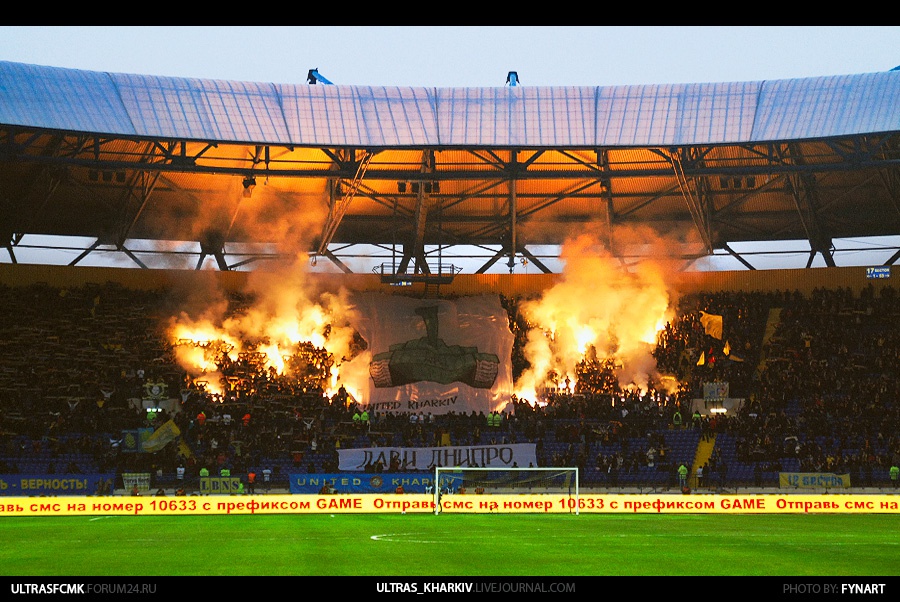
(411, 181)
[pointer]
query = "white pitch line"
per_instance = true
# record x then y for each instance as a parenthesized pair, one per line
(402, 537)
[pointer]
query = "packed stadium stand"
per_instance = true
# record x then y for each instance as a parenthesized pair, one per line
(191, 183)
(821, 391)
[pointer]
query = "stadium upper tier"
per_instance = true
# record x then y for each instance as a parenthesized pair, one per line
(393, 116)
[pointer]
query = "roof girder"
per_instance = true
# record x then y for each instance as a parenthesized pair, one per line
(560, 181)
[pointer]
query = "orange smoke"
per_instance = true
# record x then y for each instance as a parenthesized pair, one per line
(286, 311)
(600, 304)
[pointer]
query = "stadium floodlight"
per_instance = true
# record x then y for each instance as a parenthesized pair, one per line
(249, 184)
(556, 480)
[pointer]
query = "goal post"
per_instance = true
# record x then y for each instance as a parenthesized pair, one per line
(487, 481)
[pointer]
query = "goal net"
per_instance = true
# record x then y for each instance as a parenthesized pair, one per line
(558, 481)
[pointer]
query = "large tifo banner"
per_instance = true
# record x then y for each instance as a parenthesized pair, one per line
(435, 355)
(521, 455)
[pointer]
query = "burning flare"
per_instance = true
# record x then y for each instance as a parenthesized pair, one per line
(598, 310)
(288, 331)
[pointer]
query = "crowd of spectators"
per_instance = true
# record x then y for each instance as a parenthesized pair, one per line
(815, 372)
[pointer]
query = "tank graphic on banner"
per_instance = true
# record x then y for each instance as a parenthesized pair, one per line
(431, 359)
(436, 355)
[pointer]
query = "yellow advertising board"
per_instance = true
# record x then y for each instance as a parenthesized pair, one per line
(451, 503)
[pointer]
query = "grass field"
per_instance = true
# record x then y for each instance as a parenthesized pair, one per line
(452, 545)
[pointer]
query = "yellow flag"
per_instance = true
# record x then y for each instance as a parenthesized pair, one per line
(712, 324)
(161, 436)
(702, 359)
(183, 449)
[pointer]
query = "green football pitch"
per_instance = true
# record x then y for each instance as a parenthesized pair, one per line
(455, 545)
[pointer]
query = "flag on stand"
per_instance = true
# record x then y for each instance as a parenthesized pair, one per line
(161, 437)
(712, 324)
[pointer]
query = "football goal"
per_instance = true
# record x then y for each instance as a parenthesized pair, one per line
(457, 480)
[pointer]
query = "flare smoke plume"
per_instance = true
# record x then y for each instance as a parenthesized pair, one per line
(602, 303)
